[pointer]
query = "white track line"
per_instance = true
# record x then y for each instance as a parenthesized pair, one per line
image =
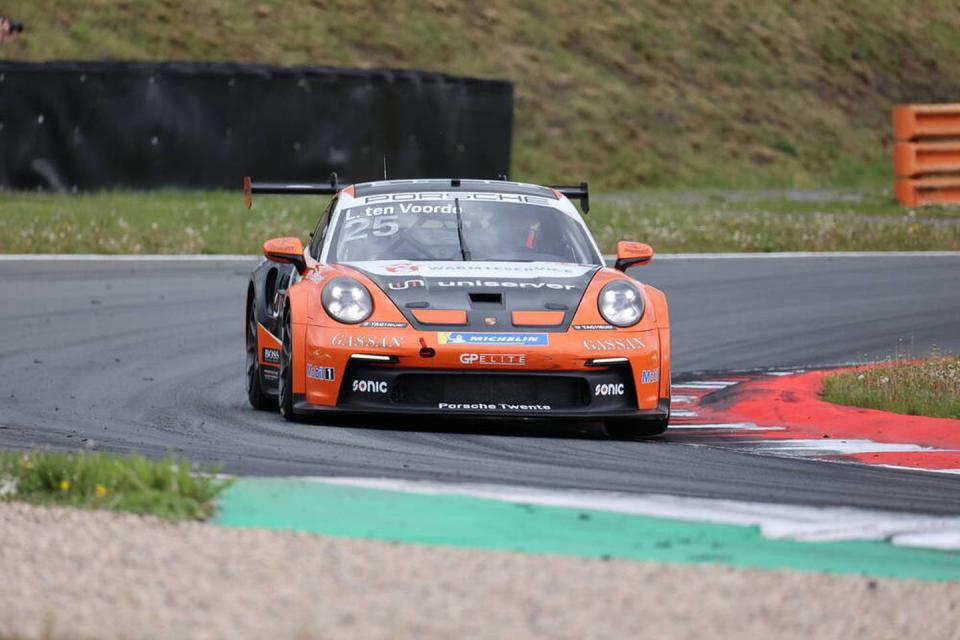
(927, 469)
(800, 254)
(821, 446)
(726, 426)
(705, 384)
(808, 524)
(123, 257)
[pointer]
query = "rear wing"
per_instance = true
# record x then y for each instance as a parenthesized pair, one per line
(581, 193)
(288, 188)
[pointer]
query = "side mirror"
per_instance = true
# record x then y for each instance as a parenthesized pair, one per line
(632, 254)
(288, 250)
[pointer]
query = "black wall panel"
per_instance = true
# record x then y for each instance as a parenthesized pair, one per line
(102, 125)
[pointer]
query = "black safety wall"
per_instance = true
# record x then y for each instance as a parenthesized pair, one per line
(98, 125)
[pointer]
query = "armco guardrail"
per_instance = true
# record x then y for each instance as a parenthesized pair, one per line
(926, 156)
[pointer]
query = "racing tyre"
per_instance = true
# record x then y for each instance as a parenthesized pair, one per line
(285, 383)
(627, 429)
(259, 400)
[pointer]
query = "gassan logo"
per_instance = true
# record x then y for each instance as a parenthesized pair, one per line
(366, 342)
(613, 344)
(519, 339)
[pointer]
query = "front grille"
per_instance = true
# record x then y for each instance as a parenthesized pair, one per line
(433, 388)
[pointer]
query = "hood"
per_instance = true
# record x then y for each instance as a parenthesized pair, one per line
(489, 292)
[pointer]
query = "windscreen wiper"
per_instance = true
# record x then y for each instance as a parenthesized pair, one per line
(464, 252)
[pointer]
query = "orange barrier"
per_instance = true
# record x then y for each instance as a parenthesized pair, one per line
(924, 191)
(926, 156)
(915, 121)
(912, 159)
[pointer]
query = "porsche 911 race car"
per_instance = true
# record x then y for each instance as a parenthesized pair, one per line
(456, 297)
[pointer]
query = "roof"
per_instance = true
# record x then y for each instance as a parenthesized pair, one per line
(448, 185)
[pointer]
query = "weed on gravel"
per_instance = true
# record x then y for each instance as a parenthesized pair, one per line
(168, 488)
(929, 387)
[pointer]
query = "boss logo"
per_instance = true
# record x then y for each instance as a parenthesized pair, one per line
(609, 389)
(271, 355)
(370, 386)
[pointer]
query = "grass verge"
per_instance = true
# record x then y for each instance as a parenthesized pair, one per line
(930, 387)
(166, 488)
(672, 221)
(703, 93)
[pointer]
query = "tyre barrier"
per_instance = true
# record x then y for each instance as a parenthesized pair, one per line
(926, 154)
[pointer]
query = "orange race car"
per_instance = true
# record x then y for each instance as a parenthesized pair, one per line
(456, 297)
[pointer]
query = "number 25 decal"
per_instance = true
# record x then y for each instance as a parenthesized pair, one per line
(357, 228)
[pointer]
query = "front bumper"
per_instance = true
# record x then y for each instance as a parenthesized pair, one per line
(602, 393)
(557, 378)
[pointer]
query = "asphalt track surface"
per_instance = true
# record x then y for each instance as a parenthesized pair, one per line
(148, 356)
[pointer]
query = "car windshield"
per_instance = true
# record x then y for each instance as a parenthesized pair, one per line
(433, 230)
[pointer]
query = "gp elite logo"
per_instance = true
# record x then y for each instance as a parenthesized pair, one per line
(494, 359)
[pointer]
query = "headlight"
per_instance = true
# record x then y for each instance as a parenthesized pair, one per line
(347, 301)
(621, 304)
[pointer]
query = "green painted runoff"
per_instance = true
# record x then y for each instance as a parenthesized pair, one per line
(461, 521)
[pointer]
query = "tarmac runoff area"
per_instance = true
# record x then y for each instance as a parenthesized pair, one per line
(68, 573)
(845, 550)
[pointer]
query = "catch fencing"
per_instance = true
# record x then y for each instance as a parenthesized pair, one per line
(70, 126)
(926, 154)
